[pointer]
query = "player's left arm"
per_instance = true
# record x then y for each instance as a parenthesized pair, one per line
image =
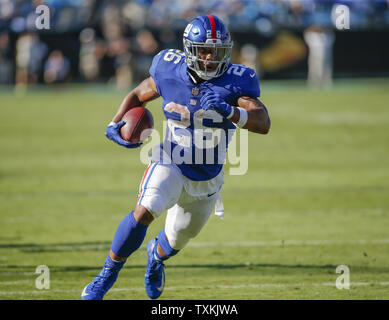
(250, 113)
(258, 119)
(247, 111)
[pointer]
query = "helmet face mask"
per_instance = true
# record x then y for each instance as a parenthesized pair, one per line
(207, 46)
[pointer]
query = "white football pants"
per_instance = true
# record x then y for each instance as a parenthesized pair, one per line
(188, 203)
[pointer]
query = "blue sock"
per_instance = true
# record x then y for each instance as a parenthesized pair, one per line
(165, 246)
(128, 237)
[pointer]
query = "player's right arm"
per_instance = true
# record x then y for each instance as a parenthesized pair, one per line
(147, 90)
(144, 92)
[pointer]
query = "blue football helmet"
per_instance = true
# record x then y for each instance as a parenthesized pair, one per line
(207, 34)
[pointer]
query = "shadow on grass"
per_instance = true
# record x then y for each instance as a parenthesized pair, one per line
(256, 267)
(105, 245)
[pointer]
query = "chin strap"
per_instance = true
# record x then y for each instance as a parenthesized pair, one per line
(192, 77)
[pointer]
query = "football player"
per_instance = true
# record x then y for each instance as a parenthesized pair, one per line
(201, 90)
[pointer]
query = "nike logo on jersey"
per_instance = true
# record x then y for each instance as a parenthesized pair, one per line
(252, 75)
(211, 194)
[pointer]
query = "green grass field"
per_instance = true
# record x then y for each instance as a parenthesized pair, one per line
(316, 196)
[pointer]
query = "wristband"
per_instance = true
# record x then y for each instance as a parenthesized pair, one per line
(232, 113)
(243, 116)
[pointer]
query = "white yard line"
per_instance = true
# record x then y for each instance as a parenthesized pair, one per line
(286, 243)
(229, 244)
(238, 286)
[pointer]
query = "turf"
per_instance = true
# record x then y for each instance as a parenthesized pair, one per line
(315, 197)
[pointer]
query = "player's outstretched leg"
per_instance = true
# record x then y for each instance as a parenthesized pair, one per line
(155, 271)
(183, 222)
(128, 238)
(104, 281)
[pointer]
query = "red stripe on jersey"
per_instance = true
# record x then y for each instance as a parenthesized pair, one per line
(213, 25)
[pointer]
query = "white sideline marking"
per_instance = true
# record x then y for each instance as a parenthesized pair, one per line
(285, 243)
(238, 286)
(261, 285)
(228, 244)
(275, 243)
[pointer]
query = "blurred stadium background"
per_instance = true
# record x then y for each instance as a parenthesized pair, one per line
(97, 41)
(316, 193)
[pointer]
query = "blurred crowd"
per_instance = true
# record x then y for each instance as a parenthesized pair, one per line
(17, 15)
(116, 39)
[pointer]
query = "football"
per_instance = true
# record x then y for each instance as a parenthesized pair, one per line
(137, 120)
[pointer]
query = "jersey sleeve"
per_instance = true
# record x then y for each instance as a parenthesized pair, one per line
(153, 71)
(250, 85)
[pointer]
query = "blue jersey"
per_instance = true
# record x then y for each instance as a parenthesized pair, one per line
(196, 140)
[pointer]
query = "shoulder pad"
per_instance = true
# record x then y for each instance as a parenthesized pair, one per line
(154, 64)
(165, 66)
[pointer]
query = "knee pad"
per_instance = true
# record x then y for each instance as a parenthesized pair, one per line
(178, 240)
